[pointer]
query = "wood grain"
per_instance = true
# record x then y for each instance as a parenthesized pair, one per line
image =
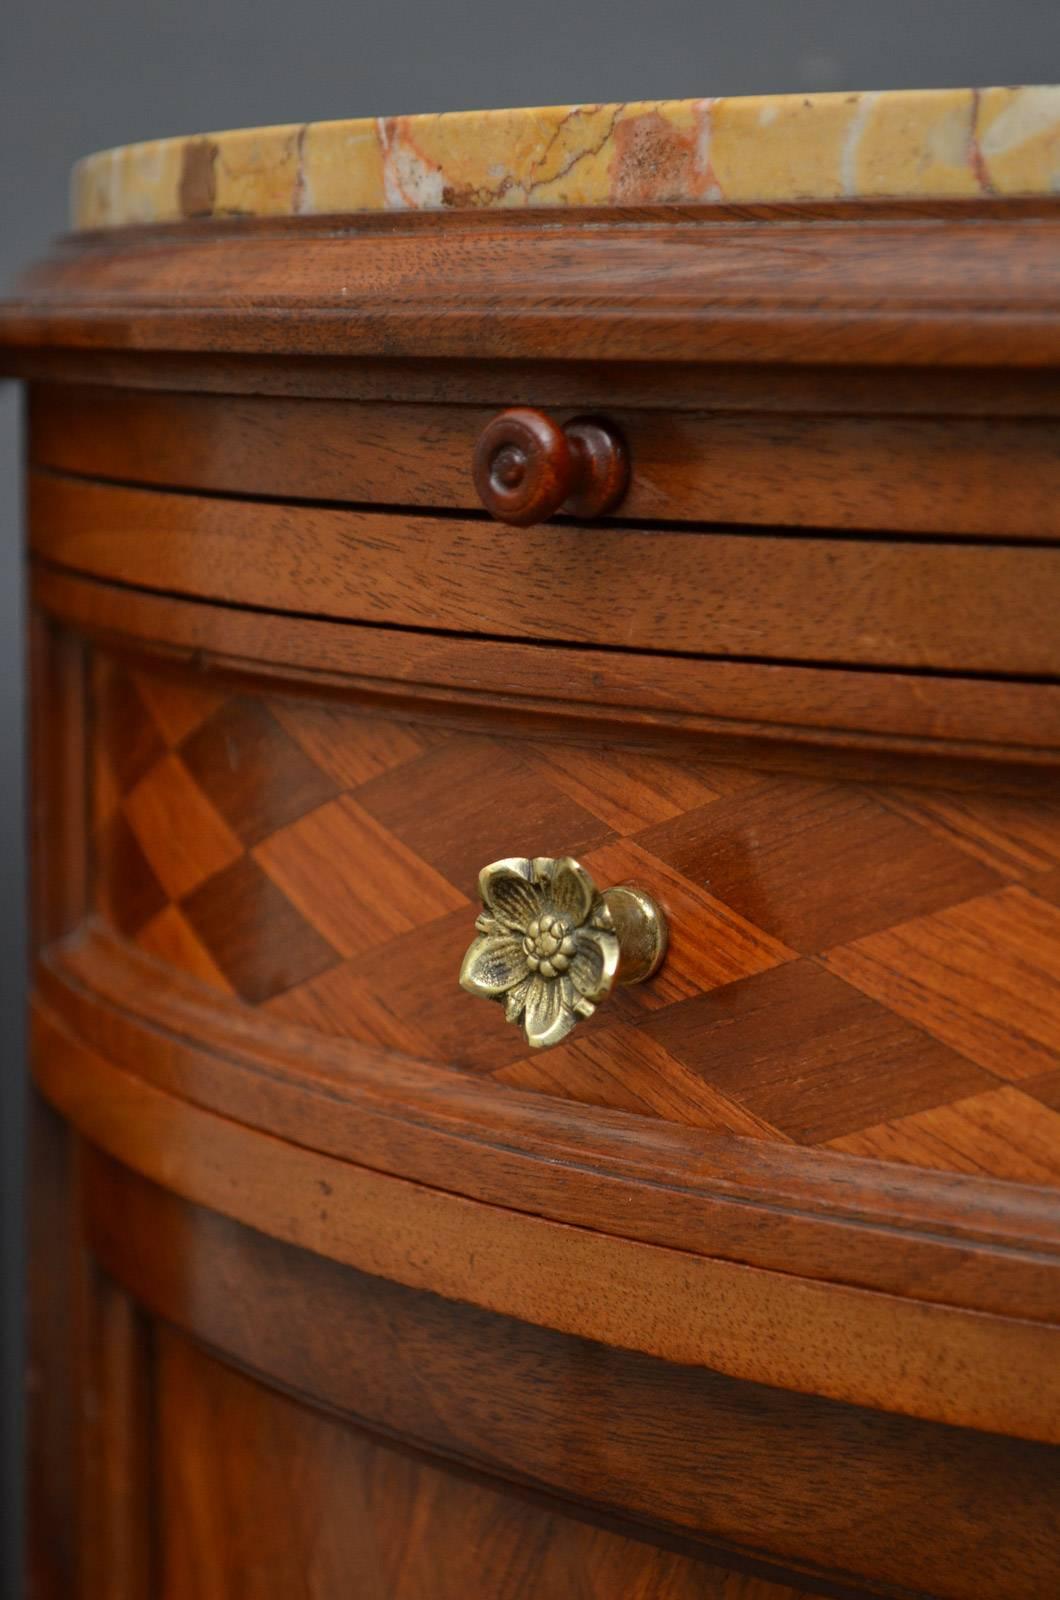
(911, 1357)
(980, 608)
(995, 478)
(53, 1425)
(948, 284)
(878, 1501)
(751, 1288)
(393, 1526)
(116, 1505)
(579, 384)
(59, 767)
(811, 991)
(826, 720)
(937, 1236)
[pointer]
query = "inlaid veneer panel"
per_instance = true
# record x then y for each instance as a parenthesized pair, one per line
(817, 990)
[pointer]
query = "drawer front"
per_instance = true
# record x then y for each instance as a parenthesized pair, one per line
(247, 1354)
(993, 477)
(875, 969)
(954, 607)
(405, 1526)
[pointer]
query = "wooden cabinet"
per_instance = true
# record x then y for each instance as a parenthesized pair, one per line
(746, 1288)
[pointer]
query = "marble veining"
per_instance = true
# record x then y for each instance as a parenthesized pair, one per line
(900, 144)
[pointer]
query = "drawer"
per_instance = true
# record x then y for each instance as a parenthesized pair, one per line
(946, 606)
(995, 477)
(874, 969)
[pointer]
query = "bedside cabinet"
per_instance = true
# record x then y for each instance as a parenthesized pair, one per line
(602, 562)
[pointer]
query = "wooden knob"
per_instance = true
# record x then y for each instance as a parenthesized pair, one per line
(527, 467)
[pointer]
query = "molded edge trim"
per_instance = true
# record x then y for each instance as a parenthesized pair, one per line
(911, 1357)
(1012, 725)
(957, 287)
(938, 1237)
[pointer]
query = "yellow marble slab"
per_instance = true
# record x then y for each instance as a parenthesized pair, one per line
(901, 144)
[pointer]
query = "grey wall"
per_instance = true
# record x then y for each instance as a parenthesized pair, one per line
(78, 75)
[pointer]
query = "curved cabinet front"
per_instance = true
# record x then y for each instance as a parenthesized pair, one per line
(748, 1286)
(640, 1273)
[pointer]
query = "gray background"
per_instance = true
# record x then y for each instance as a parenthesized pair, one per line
(79, 75)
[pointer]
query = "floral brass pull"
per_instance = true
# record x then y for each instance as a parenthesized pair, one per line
(550, 946)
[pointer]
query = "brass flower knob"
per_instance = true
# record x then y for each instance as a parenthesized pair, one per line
(550, 946)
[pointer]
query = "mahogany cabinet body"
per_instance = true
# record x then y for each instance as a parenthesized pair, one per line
(748, 1289)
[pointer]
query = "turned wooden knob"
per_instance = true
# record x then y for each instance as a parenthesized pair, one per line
(527, 467)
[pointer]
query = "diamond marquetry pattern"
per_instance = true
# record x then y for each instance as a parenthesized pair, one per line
(873, 968)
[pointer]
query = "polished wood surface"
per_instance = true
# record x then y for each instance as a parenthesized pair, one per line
(751, 1288)
(950, 1239)
(990, 477)
(970, 607)
(368, 1519)
(961, 284)
(829, 720)
(918, 1359)
(876, 1501)
(527, 466)
(323, 864)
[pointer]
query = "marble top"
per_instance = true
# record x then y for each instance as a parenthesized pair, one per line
(901, 144)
